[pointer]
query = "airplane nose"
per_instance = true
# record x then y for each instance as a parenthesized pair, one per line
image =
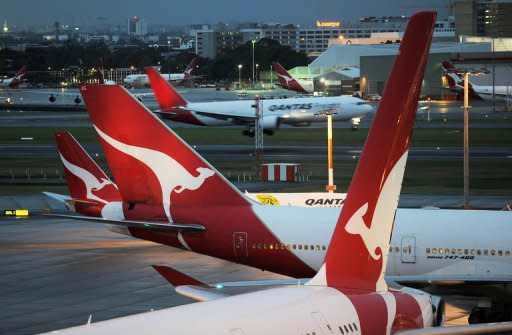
(368, 108)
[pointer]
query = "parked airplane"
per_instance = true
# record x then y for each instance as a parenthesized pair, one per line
(479, 92)
(14, 81)
(294, 111)
(349, 288)
(290, 83)
(142, 79)
(296, 245)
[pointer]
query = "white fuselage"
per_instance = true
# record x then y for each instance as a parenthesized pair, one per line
(290, 111)
(286, 310)
(142, 79)
(500, 92)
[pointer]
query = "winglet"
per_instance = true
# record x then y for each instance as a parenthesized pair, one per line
(175, 277)
(165, 93)
(356, 257)
(88, 184)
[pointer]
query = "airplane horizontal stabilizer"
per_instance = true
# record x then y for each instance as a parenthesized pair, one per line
(165, 227)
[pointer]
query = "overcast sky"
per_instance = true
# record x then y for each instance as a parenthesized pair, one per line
(180, 12)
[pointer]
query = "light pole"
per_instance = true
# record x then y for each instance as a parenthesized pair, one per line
(271, 85)
(239, 76)
(256, 75)
(466, 140)
(330, 187)
(253, 42)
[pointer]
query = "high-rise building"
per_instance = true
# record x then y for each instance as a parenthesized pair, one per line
(483, 18)
(137, 26)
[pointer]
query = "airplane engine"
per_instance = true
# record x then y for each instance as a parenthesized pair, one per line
(271, 122)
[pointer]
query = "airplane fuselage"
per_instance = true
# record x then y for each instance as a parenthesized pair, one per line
(294, 111)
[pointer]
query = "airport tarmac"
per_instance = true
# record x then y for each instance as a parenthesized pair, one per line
(54, 273)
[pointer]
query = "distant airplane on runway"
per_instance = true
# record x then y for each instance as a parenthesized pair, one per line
(14, 81)
(297, 112)
(288, 82)
(142, 79)
(348, 295)
(479, 92)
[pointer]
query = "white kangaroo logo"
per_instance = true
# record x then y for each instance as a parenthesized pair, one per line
(286, 78)
(91, 182)
(171, 175)
(356, 226)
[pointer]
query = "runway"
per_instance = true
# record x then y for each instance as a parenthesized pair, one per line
(54, 273)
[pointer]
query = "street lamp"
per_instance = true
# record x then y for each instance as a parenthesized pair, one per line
(257, 66)
(253, 42)
(239, 76)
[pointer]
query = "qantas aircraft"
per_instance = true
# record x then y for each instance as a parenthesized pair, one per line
(290, 83)
(142, 79)
(14, 81)
(294, 111)
(208, 215)
(479, 92)
(348, 295)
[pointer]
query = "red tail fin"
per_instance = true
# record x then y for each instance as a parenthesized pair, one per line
(86, 180)
(286, 80)
(190, 68)
(150, 163)
(19, 76)
(165, 93)
(357, 254)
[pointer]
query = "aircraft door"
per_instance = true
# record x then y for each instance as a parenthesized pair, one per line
(408, 250)
(240, 244)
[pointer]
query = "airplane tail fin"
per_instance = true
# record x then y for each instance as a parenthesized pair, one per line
(456, 80)
(89, 186)
(151, 164)
(19, 76)
(356, 257)
(101, 72)
(282, 74)
(286, 80)
(190, 68)
(165, 93)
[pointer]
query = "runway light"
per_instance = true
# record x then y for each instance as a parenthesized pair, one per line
(16, 212)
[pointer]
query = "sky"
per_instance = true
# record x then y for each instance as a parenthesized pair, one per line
(22, 13)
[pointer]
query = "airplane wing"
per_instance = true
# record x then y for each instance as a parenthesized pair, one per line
(219, 116)
(485, 328)
(165, 227)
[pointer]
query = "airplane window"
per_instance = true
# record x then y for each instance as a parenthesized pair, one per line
(341, 330)
(300, 246)
(493, 252)
(427, 250)
(396, 249)
(317, 247)
(500, 252)
(312, 247)
(390, 249)
(271, 246)
(434, 250)
(486, 252)
(454, 251)
(355, 326)
(507, 253)
(283, 246)
(324, 247)
(294, 246)
(289, 247)
(259, 245)
(446, 251)
(472, 251)
(478, 252)
(459, 251)
(254, 245)
(305, 247)
(466, 251)
(441, 250)
(265, 246)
